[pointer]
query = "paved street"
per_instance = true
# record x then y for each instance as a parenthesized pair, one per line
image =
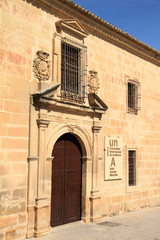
(140, 225)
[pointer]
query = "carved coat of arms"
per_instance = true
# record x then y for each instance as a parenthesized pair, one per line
(93, 82)
(41, 66)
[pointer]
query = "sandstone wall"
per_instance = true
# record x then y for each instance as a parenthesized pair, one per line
(137, 131)
(25, 29)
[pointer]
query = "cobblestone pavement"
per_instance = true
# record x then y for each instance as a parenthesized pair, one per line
(140, 225)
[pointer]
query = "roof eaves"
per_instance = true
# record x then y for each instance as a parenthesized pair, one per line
(105, 23)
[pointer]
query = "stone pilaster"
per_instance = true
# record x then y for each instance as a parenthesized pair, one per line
(42, 208)
(86, 186)
(32, 185)
(95, 195)
(32, 170)
(42, 125)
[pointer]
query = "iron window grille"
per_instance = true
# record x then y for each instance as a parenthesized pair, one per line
(134, 96)
(73, 70)
(132, 167)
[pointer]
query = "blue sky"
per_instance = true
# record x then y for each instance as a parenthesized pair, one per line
(139, 18)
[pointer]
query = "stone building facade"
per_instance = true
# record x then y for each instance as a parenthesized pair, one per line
(79, 118)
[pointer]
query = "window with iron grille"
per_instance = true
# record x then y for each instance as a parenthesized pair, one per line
(132, 167)
(73, 70)
(134, 96)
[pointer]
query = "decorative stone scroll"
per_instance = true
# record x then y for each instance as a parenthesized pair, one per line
(41, 66)
(93, 82)
(71, 128)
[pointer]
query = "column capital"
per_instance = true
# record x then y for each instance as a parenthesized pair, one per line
(86, 158)
(95, 193)
(32, 158)
(43, 123)
(96, 129)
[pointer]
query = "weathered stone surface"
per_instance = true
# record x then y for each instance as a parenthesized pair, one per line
(4, 169)
(8, 221)
(19, 194)
(2, 210)
(8, 182)
(22, 218)
(15, 233)
(5, 196)
(31, 221)
(17, 156)
(2, 236)
(41, 220)
(16, 207)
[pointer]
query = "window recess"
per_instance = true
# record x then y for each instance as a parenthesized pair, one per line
(131, 167)
(133, 96)
(73, 71)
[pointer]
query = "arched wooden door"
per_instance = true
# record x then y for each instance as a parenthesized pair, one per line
(66, 181)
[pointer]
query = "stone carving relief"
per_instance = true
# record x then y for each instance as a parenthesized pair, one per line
(41, 66)
(71, 128)
(93, 82)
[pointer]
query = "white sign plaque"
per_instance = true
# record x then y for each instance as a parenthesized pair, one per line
(113, 158)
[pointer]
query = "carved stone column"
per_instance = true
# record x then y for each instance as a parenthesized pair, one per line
(42, 209)
(95, 195)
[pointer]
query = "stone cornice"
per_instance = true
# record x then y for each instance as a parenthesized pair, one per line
(54, 104)
(100, 27)
(45, 98)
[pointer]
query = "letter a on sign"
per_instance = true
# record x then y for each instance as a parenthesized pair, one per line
(113, 162)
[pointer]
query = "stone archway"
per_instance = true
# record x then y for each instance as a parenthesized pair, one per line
(85, 142)
(66, 181)
(81, 134)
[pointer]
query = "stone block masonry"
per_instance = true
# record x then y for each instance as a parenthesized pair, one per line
(31, 33)
(15, 60)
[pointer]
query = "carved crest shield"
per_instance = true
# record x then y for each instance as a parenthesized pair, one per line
(41, 66)
(93, 82)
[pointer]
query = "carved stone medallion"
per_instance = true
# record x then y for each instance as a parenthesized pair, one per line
(41, 66)
(93, 82)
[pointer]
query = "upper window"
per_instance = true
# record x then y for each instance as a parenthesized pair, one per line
(133, 96)
(73, 70)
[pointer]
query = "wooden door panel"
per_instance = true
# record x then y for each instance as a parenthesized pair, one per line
(57, 193)
(66, 181)
(72, 197)
(57, 213)
(72, 179)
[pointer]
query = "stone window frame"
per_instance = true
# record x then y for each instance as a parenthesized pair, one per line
(132, 188)
(80, 95)
(133, 95)
(73, 33)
